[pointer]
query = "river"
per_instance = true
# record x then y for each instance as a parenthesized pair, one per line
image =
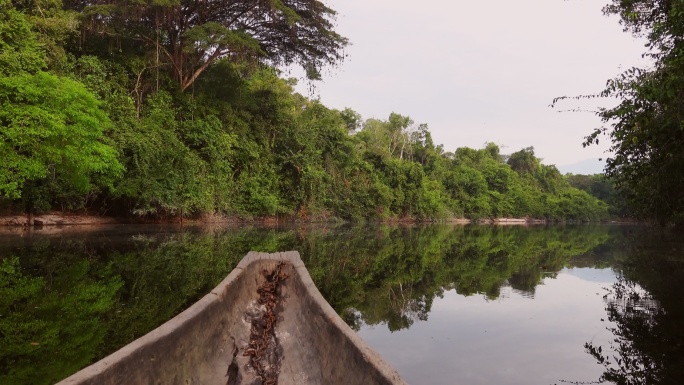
(443, 304)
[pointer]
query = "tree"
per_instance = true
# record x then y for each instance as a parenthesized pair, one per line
(549, 178)
(188, 36)
(50, 127)
(51, 130)
(524, 161)
(646, 128)
(52, 26)
(352, 119)
(399, 131)
(19, 48)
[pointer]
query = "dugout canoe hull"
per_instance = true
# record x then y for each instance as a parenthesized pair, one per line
(206, 344)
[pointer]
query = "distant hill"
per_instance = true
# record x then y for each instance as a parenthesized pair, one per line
(586, 167)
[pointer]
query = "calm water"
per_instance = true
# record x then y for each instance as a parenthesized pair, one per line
(443, 304)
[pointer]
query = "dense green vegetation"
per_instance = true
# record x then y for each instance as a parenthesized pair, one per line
(602, 188)
(66, 301)
(148, 109)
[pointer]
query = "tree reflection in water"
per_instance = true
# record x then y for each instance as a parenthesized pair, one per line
(393, 275)
(647, 311)
(122, 284)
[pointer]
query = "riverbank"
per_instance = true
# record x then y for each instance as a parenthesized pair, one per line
(53, 219)
(61, 219)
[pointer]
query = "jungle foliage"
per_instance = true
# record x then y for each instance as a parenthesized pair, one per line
(602, 188)
(176, 108)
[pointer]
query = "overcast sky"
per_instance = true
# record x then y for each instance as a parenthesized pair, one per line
(480, 71)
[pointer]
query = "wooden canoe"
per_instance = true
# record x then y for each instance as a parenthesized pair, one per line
(266, 323)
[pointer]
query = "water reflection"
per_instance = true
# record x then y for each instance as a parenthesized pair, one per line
(397, 279)
(511, 340)
(69, 299)
(646, 314)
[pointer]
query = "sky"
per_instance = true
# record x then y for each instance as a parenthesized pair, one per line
(478, 72)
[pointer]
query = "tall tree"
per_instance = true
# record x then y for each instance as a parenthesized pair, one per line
(189, 35)
(647, 127)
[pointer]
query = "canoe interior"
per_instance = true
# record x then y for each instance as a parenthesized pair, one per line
(206, 343)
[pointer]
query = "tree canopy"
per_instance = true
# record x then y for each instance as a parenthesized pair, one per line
(51, 129)
(20, 51)
(188, 36)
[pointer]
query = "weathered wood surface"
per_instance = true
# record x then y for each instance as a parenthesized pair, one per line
(198, 346)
